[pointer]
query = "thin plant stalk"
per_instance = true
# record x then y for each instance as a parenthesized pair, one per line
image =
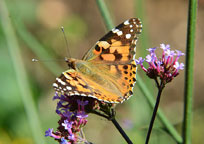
(160, 88)
(171, 130)
(143, 87)
(21, 74)
(116, 124)
(188, 91)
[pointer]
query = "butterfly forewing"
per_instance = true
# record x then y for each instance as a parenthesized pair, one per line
(118, 44)
(111, 71)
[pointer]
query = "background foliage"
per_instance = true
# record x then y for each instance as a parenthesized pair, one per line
(37, 26)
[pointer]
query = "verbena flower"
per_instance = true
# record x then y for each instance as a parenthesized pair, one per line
(165, 67)
(73, 119)
(73, 112)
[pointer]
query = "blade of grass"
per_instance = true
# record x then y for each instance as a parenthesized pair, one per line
(188, 91)
(140, 83)
(35, 46)
(105, 14)
(140, 12)
(21, 75)
(144, 38)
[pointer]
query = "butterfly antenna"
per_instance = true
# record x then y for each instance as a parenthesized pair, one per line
(65, 38)
(51, 60)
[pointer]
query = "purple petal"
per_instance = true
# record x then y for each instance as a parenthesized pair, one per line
(159, 63)
(48, 132)
(81, 115)
(139, 61)
(82, 103)
(165, 47)
(179, 53)
(152, 50)
(172, 53)
(151, 58)
(67, 114)
(179, 66)
(59, 105)
(71, 137)
(56, 96)
(67, 125)
(148, 58)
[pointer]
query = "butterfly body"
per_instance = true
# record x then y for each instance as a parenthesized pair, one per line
(107, 72)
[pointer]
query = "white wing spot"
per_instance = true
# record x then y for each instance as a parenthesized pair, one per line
(115, 30)
(119, 33)
(68, 88)
(126, 22)
(128, 36)
(71, 94)
(134, 42)
(60, 81)
(131, 26)
(76, 93)
(131, 30)
(55, 85)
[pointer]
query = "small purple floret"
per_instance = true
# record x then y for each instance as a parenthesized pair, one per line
(152, 50)
(48, 132)
(72, 137)
(81, 115)
(179, 53)
(179, 66)
(139, 61)
(67, 125)
(165, 47)
(82, 103)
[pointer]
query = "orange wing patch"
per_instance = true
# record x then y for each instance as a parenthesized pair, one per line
(108, 57)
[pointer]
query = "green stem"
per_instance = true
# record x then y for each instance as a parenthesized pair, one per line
(105, 14)
(142, 86)
(116, 124)
(21, 74)
(171, 130)
(188, 91)
(140, 12)
(154, 114)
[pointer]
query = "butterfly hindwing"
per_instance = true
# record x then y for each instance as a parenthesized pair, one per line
(73, 83)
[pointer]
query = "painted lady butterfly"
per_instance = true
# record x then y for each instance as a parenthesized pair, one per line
(107, 72)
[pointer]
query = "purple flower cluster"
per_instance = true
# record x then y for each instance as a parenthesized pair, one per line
(73, 119)
(166, 67)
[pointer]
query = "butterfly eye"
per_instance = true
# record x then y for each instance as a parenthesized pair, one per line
(71, 63)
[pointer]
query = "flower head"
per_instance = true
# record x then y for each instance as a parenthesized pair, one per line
(166, 67)
(73, 117)
(73, 112)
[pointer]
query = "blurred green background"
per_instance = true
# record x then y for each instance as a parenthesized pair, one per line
(37, 23)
